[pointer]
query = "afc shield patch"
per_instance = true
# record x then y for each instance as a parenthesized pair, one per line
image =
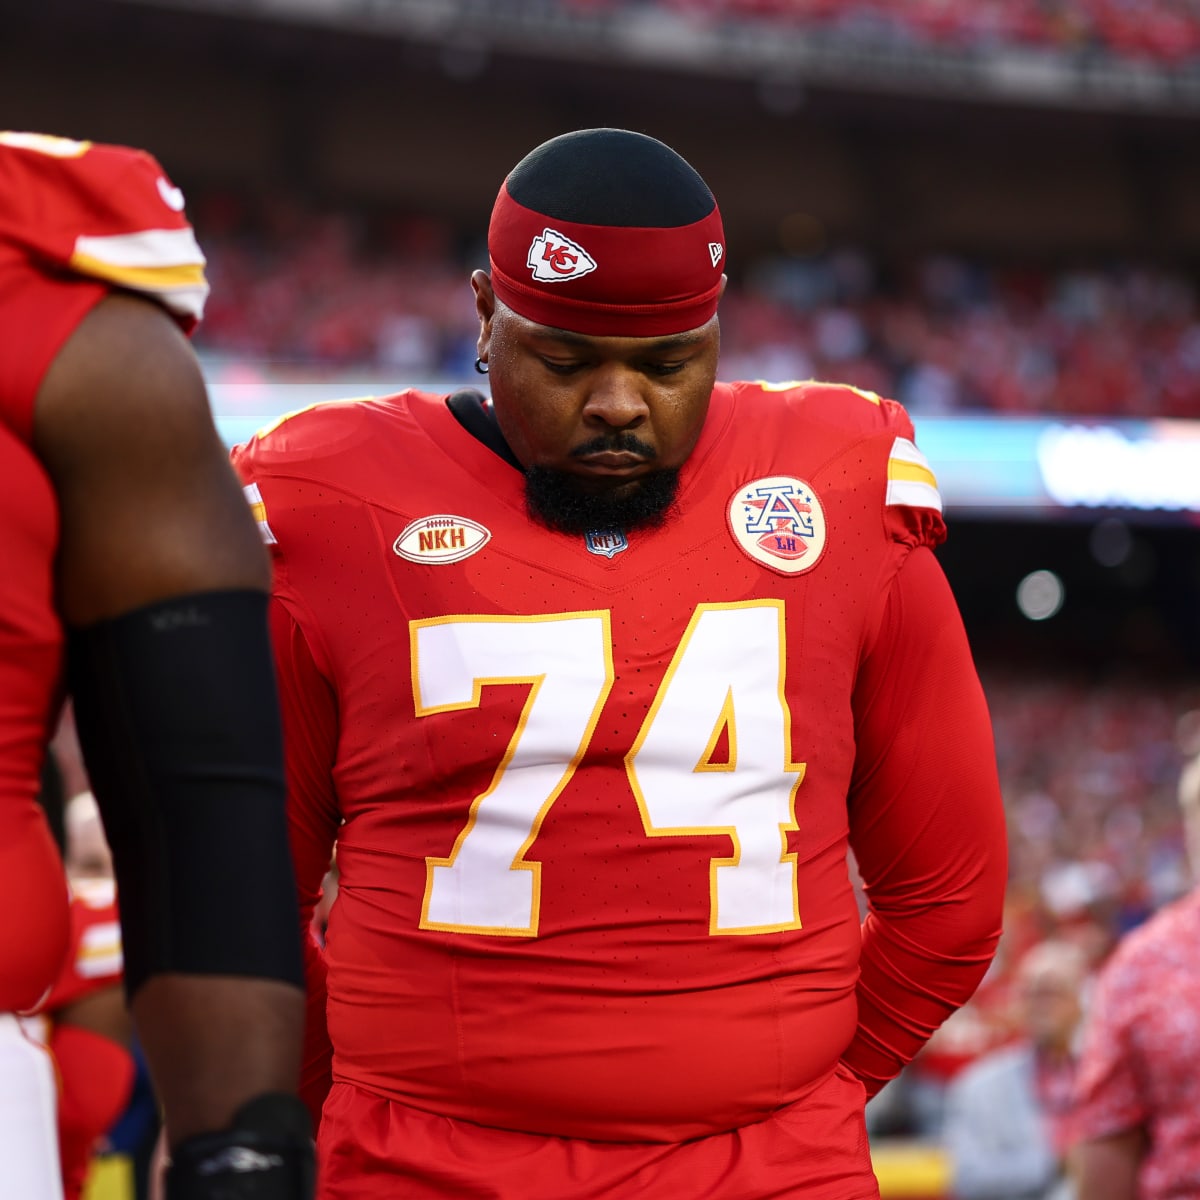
(779, 522)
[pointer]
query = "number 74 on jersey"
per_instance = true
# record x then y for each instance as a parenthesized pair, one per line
(726, 677)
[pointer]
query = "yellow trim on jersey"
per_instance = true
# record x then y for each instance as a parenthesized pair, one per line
(258, 508)
(271, 426)
(787, 386)
(142, 279)
(910, 482)
(44, 143)
(726, 722)
(910, 471)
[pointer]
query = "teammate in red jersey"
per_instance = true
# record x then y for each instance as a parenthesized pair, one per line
(594, 685)
(131, 573)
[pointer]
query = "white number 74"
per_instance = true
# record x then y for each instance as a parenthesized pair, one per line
(725, 685)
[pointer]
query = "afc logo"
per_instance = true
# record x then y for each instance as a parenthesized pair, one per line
(779, 522)
(554, 257)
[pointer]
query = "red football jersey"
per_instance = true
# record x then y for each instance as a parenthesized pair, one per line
(592, 796)
(94, 959)
(76, 221)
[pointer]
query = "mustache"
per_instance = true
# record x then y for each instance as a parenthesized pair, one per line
(615, 443)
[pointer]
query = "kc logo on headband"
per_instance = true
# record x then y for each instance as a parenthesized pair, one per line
(553, 257)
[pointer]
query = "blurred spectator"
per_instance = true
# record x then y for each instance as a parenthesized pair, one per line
(1165, 33)
(89, 1031)
(1089, 772)
(1007, 1115)
(1138, 1116)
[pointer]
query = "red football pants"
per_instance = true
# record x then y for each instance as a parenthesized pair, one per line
(372, 1148)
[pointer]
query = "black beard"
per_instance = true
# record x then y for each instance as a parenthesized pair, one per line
(553, 498)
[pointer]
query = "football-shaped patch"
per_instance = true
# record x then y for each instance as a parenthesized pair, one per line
(441, 539)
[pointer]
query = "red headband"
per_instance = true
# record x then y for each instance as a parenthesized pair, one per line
(605, 280)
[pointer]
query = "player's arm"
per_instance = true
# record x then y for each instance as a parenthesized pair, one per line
(162, 582)
(309, 708)
(926, 823)
(1107, 1168)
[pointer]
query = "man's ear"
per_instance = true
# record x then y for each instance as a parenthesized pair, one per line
(485, 307)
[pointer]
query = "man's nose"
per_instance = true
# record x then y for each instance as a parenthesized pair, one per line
(616, 397)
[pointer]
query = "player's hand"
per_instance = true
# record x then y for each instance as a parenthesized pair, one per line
(266, 1154)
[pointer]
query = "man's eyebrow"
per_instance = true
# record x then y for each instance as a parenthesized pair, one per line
(675, 341)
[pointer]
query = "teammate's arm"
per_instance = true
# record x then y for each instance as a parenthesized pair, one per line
(1107, 1168)
(151, 513)
(926, 824)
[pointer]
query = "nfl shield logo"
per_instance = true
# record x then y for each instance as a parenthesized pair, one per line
(606, 541)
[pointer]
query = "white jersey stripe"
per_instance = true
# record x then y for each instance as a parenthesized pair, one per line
(259, 508)
(911, 482)
(149, 248)
(913, 494)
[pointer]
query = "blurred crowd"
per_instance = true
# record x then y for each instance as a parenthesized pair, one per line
(1097, 845)
(295, 285)
(1155, 31)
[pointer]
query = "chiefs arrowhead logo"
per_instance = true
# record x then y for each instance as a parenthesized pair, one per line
(553, 257)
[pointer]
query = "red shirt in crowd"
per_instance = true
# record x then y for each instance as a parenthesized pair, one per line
(1140, 1062)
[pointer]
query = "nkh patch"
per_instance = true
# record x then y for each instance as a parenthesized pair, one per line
(554, 257)
(779, 522)
(442, 538)
(606, 541)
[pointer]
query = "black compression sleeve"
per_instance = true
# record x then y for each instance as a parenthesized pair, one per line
(178, 719)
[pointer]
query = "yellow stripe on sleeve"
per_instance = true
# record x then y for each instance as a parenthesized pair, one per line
(258, 507)
(911, 471)
(910, 480)
(44, 143)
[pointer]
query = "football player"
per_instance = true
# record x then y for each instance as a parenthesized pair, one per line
(132, 573)
(594, 683)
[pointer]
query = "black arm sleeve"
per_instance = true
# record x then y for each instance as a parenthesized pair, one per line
(178, 720)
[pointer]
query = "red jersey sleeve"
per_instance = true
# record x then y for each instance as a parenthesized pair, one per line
(927, 823)
(38, 312)
(308, 707)
(76, 221)
(310, 733)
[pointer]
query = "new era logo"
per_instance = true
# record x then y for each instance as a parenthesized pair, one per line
(715, 252)
(553, 257)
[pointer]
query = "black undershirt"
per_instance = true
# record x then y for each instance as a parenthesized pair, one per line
(479, 420)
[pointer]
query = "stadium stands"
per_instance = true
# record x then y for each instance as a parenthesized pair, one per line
(942, 334)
